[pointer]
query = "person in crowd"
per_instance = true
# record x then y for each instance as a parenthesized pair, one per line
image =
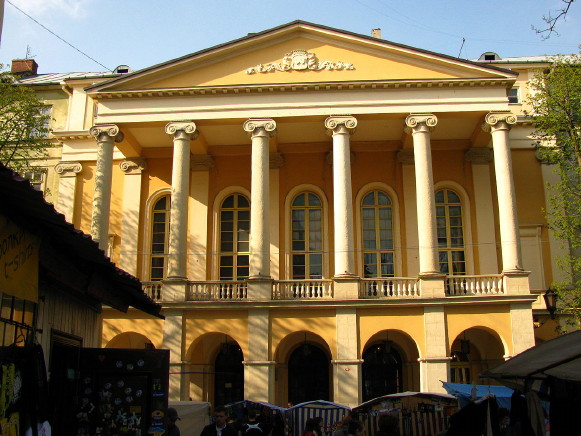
(318, 426)
(388, 425)
(356, 428)
(309, 428)
(171, 418)
(219, 427)
(343, 426)
(253, 426)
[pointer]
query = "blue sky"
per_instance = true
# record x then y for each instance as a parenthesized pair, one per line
(141, 33)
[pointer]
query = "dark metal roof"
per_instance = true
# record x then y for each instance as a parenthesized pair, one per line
(106, 283)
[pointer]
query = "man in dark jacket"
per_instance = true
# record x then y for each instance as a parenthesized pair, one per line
(219, 427)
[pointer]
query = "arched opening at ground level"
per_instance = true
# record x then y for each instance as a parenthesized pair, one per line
(390, 365)
(303, 371)
(130, 340)
(215, 369)
(473, 351)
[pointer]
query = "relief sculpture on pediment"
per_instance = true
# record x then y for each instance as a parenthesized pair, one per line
(300, 60)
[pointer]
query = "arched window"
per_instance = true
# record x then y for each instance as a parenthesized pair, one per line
(159, 238)
(234, 237)
(377, 238)
(306, 237)
(450, 227)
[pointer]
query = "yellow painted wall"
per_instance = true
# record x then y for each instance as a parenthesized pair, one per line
(369, 65)
(233, 323)
(494, 319)
(116, 323)
(409, 321)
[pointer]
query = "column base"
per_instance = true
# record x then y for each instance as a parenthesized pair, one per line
(174, 289)
(346, 287)
(516, 282)
(432, 284)
(259, 288)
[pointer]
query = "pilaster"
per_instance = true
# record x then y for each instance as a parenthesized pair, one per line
(435, 364)
(201, 165)
(106, 136)
(68, 172)
(480, 159)
(173, 340)
(258, 369)
(347, 366)
(341, 127)
(276, 161)
(406, 158)
(133, 169)
(522, 329)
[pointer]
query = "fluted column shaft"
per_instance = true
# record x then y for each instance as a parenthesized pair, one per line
(341, 128)
(420, 126)
(499, 124)
(260, 131)
(106, 136)
(183, 133)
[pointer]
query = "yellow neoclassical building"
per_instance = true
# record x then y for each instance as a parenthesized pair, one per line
(322, 214)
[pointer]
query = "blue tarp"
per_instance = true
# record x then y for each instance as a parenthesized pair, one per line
(464, 393)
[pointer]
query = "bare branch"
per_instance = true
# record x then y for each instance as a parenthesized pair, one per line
(551, 20)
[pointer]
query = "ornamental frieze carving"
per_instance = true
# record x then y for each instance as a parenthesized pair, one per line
(300, 60)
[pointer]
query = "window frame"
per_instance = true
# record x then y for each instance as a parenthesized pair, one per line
(235, 253)
(466, 222)
(148, 235)
(397, 247)
(291, 195)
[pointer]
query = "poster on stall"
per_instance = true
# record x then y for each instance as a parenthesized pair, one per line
(122, 392)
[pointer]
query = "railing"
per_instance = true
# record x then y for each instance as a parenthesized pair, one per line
(302, 289)
(153, 290)
(474, 285)
(217, 290)
(389, 287)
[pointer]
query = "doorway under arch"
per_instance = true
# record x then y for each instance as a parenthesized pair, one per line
(228, 374)
(308, 374)
(381, 370)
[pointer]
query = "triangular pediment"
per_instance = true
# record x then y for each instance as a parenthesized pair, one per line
(300, 53)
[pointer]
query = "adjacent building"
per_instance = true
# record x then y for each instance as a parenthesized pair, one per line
(321, 214)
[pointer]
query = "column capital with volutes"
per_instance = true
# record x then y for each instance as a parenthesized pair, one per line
(133, 165)
(340, 124)
(68, 168)
(498, 121)
(101, 131)
(260, 127)
(420, 123)
(182, 129)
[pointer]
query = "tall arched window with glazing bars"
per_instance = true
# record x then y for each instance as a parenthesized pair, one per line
(234, 238)
(450, 228)
(306, 237)
(159, 238)
(377, 235)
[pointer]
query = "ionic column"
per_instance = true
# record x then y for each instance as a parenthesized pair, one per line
(420, 125)
(133, 169)
(67, 186)
(499, 123)
(183, 132)
(260, 130)
(106, 136)
(341, 127)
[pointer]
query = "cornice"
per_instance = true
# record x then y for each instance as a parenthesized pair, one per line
(304, 86)
(68, 135)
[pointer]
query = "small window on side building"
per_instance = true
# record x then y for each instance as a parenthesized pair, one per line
(514, 95)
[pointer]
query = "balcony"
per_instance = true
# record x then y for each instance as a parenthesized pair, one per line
(387, 288)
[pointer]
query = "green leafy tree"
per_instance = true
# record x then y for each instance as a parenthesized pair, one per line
(23, 125)
(556, 111)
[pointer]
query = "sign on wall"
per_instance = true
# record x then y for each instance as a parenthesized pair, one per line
(18, 261)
